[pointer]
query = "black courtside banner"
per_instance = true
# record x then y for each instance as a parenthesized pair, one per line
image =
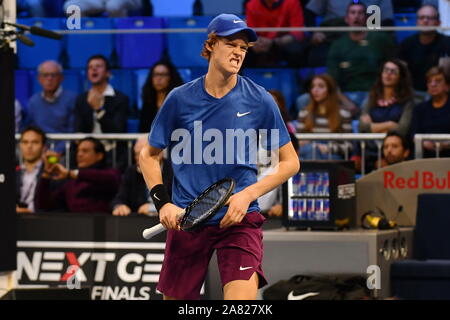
(7, 180)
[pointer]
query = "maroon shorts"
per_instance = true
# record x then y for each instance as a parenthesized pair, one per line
(187, 255)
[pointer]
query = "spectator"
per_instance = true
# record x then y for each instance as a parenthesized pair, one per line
(325, 113)
(281, 103)
(162, 78)
(133, 194)
(271, 48)
(332, 14)
(422, 50)
(32, 147)
(270, 203)
(354, 59)
(89, 188)
(102, 109)
(114, 8)
(389, 107)
(52, 109)
(433, 116)
(395, 149)
(391, 101)
(443, 7)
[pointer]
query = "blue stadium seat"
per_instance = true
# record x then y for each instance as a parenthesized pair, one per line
(139, 50)
(73, 81)
(80, 47)
(140, 76)
(23, 88)
(403, 20)
(185, 74)
(44, 49)
(164, 8)
(283, 80)
(185, 48)
(215, 7)
(124, 81)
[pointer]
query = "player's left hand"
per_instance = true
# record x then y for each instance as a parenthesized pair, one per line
(237, 209)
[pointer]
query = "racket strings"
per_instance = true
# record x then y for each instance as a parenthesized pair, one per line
(202, 208)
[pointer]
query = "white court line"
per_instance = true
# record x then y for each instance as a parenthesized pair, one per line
(91, 245)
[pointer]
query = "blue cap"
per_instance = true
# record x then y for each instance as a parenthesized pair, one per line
(227, 24)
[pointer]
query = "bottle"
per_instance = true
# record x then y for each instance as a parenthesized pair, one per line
(295, 209)
(326, 209)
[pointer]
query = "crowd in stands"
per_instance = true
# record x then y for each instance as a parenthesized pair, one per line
(386, 86)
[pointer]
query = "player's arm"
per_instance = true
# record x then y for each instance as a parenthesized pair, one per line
(288, 166)
(151, 170)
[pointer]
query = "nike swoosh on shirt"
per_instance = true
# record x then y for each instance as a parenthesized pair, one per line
(301, 296)
(242, 114)
(244, 268)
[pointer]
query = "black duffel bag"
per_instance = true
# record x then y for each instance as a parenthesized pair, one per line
(320, 287)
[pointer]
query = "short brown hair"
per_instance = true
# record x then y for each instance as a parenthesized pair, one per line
(213, 38)
(434, 71)
(209, 43)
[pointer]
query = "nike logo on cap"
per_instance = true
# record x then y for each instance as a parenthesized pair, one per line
(242, 114)
(244, 268)
(237, 21)
(301, 296)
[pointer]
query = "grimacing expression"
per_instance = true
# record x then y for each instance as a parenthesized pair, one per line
(228, 53)
(31, 146)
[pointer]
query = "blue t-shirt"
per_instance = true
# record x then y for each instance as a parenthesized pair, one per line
(391, 113)
(210, 139)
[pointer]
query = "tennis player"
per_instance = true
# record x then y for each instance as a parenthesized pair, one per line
(202, 123)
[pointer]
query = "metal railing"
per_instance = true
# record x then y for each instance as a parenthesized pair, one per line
(362, 138)
(420, 138)
(114, 137)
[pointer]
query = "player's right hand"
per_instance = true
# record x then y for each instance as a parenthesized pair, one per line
(169, 216)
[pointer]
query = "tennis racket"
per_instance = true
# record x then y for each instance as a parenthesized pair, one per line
(203, 208)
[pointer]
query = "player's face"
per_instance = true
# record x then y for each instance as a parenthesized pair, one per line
(161, 77)
(390, 75)
(229, 53)
(393, 150)
(97, 72)
(319, 90)
(86, 155)
(31, 146)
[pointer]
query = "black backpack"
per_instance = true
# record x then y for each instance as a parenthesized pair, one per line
(323, 287)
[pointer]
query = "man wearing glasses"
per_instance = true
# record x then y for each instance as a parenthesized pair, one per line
(52, 109)
(424, 49)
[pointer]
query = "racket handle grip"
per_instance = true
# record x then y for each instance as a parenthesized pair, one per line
(153, 231)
